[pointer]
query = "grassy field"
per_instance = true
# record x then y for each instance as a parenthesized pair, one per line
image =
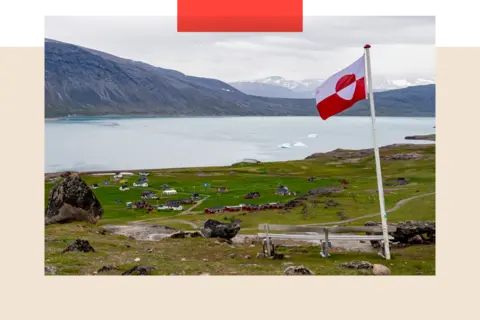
(356, 200)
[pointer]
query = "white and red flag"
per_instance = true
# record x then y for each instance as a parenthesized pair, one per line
(342, 90)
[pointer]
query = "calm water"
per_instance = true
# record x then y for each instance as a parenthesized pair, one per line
(125, 143)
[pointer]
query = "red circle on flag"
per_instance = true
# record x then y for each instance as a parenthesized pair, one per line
(345, 81)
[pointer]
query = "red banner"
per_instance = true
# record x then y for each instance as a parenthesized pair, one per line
(239, 15)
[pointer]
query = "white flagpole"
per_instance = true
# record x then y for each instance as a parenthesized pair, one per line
(377, 155)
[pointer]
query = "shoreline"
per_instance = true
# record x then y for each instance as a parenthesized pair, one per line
(121, 116)
(49, 175)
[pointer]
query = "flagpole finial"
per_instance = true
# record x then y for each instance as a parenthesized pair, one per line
(367, 46)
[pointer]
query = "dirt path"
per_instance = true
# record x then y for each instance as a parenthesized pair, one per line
(188, 211)
(397, 206)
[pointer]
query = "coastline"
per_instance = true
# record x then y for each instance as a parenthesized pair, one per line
(127, 116)
(50, 175)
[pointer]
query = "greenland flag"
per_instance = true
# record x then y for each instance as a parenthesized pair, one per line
(342, 90)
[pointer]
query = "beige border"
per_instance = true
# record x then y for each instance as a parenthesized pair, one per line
(30, 295)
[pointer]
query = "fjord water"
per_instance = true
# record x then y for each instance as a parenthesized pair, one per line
(90, 144)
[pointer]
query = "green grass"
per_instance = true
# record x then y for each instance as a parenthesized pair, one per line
(357, 200)
(166, 256)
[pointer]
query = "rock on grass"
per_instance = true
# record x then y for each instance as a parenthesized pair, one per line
(138, 271)
(217, 229)
(72, 200)
(298, 271)
(380, 270)
(80, 246)
(107, 268)
(357, 265)
(51, 270)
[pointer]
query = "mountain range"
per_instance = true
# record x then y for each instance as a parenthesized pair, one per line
(280, 87)
(88, 82)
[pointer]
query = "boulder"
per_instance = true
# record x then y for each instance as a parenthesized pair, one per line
(138, 271)
(357, 265)
(217, 229)
(380, 270)
(72, 200)
(80, 246)
(298, 270)
(416, 239)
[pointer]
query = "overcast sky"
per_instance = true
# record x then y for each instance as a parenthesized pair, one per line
(401, 46)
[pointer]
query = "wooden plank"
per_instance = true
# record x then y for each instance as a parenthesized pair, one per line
(320, 229)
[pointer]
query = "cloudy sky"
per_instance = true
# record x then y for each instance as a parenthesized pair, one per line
(402, 47)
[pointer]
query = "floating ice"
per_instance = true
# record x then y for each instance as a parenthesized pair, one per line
(299, 144)
(312, 135)
(285, 145)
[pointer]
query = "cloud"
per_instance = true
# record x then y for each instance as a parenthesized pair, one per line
(401, 46)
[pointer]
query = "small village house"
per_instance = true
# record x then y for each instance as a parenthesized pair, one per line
(213, 210)
(169, 192)
(140, 184)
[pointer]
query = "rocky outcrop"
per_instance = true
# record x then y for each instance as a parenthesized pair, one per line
(72, 200)
(80, 246)
(217, 229)
(403, 156)
(298, 271)
(411, 232)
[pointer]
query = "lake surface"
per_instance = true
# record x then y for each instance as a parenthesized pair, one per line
(88, 144)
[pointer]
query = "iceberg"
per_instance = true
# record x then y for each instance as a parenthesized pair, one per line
(299, 144)
(312, 135)
(285, 145)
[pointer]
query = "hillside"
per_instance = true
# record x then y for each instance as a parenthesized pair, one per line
(87, 82)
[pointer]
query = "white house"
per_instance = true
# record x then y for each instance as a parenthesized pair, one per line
(117, 176)
(169, 192)
(123, 188)
(140, 184)
(144, 173)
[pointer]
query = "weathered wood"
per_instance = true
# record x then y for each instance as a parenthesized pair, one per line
(320, 229)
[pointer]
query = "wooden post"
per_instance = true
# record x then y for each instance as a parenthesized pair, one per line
(267, 242)
(325, 244)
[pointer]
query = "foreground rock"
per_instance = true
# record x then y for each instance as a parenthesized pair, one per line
(380, 270)
(80, 246)
(50, 270)
(357, 265)
(298, 271)
(139, 271)
(217, 229)
(411, 232)
(72, 200)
